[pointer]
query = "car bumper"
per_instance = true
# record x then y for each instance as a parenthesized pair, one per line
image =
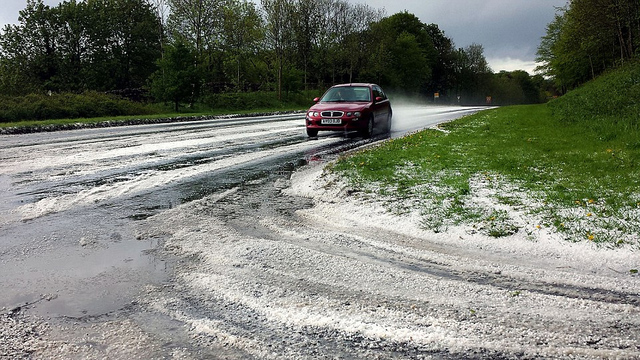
(345, 125)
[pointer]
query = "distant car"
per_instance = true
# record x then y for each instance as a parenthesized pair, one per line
(350, 107)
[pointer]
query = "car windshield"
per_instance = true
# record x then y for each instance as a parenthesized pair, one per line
(347, 94)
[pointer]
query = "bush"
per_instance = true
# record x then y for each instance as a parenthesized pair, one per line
(68, 106)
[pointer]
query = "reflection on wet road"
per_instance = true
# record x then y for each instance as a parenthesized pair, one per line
(71, 200)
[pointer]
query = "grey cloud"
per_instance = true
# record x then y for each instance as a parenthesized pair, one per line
(505, 28)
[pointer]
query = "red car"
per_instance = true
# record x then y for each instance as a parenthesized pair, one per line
(350, 107)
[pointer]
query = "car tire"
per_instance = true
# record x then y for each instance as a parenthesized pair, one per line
(368, 131)
(389, 121)
(312, 132)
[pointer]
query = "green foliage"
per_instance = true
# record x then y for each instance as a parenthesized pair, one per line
(258, 100)
(196, 22)
(444, 64)
(243, 31)
(407, 52)
(588, 37)
(410, 70)
(178, 78)
(66, 105)
(88, 45)
(516, 87)
(473, 75)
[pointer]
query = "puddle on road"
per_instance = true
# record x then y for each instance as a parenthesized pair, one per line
(91, 283)
(83, 263)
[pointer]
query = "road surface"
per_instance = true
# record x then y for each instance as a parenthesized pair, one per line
(206, 240)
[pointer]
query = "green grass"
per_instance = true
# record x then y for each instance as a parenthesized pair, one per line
(570, 167)
(609, 105)
(560, 176)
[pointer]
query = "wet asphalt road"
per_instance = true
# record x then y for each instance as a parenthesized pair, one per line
(213, 240)
(73, 200)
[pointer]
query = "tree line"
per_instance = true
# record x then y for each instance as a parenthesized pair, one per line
(181, 51)
(587, 38)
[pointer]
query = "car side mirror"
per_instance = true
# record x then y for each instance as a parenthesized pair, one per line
(379, 98)
(316, 99)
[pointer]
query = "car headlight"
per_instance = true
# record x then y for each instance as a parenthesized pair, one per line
(357, 114)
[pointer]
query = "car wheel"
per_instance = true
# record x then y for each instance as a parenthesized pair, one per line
(368, 131)
(312, 132)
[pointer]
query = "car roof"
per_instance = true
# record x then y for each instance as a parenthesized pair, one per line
(354, 84)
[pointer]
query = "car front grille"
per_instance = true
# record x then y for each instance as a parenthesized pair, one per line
(332, 114)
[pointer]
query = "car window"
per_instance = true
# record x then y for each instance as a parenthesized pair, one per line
(347, 94)
(384, 96)
(377, 92)
(362, 93)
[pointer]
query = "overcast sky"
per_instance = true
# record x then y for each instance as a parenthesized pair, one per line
(509, 30)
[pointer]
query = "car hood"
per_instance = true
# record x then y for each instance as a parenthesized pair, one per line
(339, 106)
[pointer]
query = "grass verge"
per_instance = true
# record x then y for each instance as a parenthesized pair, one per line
(507, 171)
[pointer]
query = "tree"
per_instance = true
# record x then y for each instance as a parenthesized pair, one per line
(91, 45)
(477, 63)
(72, 46)
(162, 9)
(242, 34)
(443, 68)
(546, 54)
(473, 75)
(327, 43)
(221, 45)
(133, 41)
(30, 50)
(587, 37)
(177, 79)
(405, 52)
(15, 75)
(409, 71)
(198, 22)
(306, 28)
(279, 34)
(516, 87)
(357, 42)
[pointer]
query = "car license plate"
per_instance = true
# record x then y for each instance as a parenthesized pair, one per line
(331, 121)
